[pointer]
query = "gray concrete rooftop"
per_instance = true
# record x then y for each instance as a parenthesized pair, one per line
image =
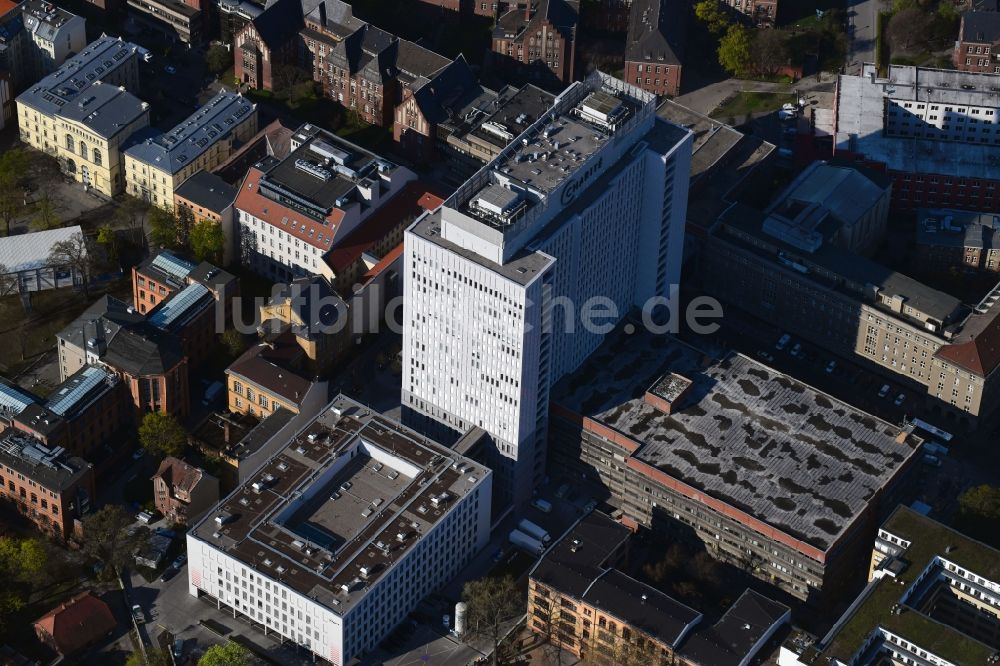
(746, 434)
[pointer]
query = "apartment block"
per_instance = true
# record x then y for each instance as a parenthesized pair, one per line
(482, 342)
(977, 43)
(155, 167)
(931, 599)
(341, 533)
(82, 114)
(536, 41)
(933, 131)
(293, 212)
(654, 47)
(183, 493)
(56, 33)
(48, 486)
(770, 474)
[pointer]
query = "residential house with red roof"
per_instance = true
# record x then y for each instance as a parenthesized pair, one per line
(293, 213)
(76, 624)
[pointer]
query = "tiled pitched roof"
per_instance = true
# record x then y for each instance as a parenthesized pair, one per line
(179, 475)
(77, 623)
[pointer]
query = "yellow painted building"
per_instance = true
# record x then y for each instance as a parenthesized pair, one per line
(157, 166)
(82, 114)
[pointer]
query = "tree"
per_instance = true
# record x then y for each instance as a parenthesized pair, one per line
(72, 253)
(908, 29)
(218, 59)
(230, 654)
(208, 241)
(734, 50)
(979, 514)
(13, 165)
(131, 213)
(109, 536)
(768, 52)
(492, 602)
(153, 657)
(233, 341)
(161, 435)
(46, 213)
(163, 228)
(711, 13)
(107, 237)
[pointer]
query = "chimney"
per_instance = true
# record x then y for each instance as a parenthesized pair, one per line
(322, 14)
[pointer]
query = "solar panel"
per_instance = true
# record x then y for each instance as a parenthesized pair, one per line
(173, 265)
(68, 396)
(178, 305)
(12, 399)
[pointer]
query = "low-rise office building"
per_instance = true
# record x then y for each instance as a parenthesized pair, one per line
(932, 598)
(175, 20)
(341, 533)
(48, 486)
(949, 240)
(856, 308)
(82, 114)
(155, 167)
(292, 213)
(205, 197)
(772, 475)
(183, 493)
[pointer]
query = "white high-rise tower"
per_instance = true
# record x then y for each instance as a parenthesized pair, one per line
(583, 213)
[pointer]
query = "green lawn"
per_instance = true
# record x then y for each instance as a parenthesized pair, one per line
(745, 103)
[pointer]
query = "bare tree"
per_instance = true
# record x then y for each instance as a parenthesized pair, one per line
(768, 52)
(73, 254)
(908, 29)
(492, 603)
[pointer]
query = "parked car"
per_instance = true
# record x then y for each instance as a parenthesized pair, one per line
(179, 562)
(783, 342)
(933, 461)
(542, 505)
(138, 615)
(900, 398)
(787, 115)
(170, 69)
(178, 649)
(884, 391)
(797, 349)
(146, 517)
(830, 367)
(138, 454)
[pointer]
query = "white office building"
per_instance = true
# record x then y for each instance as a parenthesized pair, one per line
(340, 534)
(588, 203)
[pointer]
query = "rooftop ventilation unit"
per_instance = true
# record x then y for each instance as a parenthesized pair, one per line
(313, 170)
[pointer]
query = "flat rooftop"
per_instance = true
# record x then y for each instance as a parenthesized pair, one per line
(195, 135)
(332, 512)
(861, 110)
(51, 468)
(854, 271)
(514, 116)
(745, 434)
(322, 168)
(929, 540)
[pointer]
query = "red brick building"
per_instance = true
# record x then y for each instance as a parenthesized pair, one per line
(182, 492)
(606, 15)
(48, 486)
(365, 68)
(978, 42)
(435, 101)
(267, 43)
(536, 42)
(655, 45)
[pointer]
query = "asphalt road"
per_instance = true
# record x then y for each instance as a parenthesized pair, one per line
(861, 17)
